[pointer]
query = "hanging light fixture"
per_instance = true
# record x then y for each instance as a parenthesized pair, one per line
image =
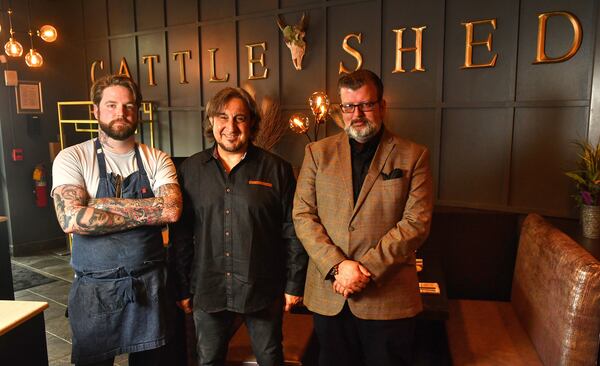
(47, 33)
(12, 48)
(33, 58)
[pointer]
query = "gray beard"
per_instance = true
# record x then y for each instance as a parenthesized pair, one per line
(364, 135)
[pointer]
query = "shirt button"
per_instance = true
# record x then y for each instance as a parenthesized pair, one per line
(227, 254)
(351, 228)
(228, 274)
(227, 190)
(227, 233)
(226, 212)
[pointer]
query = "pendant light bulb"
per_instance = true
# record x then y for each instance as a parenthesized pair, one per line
(34, 59)
(13, 48)
(47, 33)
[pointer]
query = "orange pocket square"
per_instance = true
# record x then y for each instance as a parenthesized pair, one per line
(260, 183)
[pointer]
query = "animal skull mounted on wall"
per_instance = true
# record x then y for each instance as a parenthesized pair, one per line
(293, 35)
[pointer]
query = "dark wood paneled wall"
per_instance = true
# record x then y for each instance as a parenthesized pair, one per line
(500, 136)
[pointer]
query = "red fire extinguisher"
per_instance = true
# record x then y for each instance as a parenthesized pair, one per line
(41, 187)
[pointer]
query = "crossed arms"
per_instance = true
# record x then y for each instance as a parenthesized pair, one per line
(77, 213)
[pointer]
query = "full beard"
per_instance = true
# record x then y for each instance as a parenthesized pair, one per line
(120, 134)
(364, 134)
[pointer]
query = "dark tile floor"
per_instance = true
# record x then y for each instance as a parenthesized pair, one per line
(58, 332)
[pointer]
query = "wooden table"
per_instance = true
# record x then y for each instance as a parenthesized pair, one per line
(23, 333)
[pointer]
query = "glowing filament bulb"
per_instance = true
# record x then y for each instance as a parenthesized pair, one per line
(13, 48)
(48, 33)
(33, 58)
(299, 123)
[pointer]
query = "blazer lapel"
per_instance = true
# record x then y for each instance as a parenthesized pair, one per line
(386, 145)
(345, 165)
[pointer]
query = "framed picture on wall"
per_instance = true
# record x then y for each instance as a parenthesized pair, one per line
(29, 97)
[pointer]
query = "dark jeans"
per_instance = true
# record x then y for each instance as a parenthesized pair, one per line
(214, 330)
(347, 340)
(152, 357)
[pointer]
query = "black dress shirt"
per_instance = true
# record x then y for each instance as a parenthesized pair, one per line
(235, 246)
(362, 155)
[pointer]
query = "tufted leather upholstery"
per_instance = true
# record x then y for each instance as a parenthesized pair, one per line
(554, 312)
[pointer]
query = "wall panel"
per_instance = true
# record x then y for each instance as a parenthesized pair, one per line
(121, 17)
(153, 45)
(149, 14)
(223, 37)
(294, 88)
(475, 152)
(256, 31)
(476, 122)
(124, 48)
(480, 84)
(363, 18)
(412, 87)
(568, 80)
(95, 24)
(181, 12)
(186, 94)
(542, 152)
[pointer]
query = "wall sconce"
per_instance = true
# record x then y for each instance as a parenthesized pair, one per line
(13, 48)
(319, 105)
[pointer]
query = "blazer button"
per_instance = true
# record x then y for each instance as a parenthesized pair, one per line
(351, 228)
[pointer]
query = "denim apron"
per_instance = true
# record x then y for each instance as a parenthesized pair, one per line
(118, 302)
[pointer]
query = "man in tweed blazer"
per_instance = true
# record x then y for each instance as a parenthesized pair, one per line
(362, 207)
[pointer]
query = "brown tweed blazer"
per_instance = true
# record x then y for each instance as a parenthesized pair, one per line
(389, 222)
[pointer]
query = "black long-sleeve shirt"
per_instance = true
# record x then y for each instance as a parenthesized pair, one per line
(235, 246)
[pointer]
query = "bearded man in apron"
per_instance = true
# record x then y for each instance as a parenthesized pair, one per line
(114, 195)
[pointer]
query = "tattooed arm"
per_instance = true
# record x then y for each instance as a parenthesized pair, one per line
(75, 217)
(163, 209)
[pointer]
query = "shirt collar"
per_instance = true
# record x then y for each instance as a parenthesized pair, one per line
(214, 153)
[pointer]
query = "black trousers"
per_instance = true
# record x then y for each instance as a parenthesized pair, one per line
(347, 340)
(153, 357)
(214, 331)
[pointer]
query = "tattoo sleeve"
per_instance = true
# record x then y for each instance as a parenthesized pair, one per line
(163, 209)
(74, 216)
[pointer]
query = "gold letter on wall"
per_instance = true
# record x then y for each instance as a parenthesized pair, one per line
(541, 57)
(152, 59)
(469, 43)
(418, 48)
(354, 53)
(182, 78)
(124, 68)
(100, 64)
(260, 60)
(213, 71)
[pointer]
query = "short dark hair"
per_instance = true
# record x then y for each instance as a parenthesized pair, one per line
(114, 80)
(358, 78)
(216, 104)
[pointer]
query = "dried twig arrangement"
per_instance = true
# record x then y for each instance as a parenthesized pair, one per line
(272, 127)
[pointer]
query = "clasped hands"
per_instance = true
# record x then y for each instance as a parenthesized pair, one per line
(352, 278)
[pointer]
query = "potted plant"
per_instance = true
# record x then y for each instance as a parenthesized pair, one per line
(587, 181)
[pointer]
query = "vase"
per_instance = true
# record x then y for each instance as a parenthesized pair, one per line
(590, 221)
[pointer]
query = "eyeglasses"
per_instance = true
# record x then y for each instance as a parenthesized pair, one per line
(363, 107)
